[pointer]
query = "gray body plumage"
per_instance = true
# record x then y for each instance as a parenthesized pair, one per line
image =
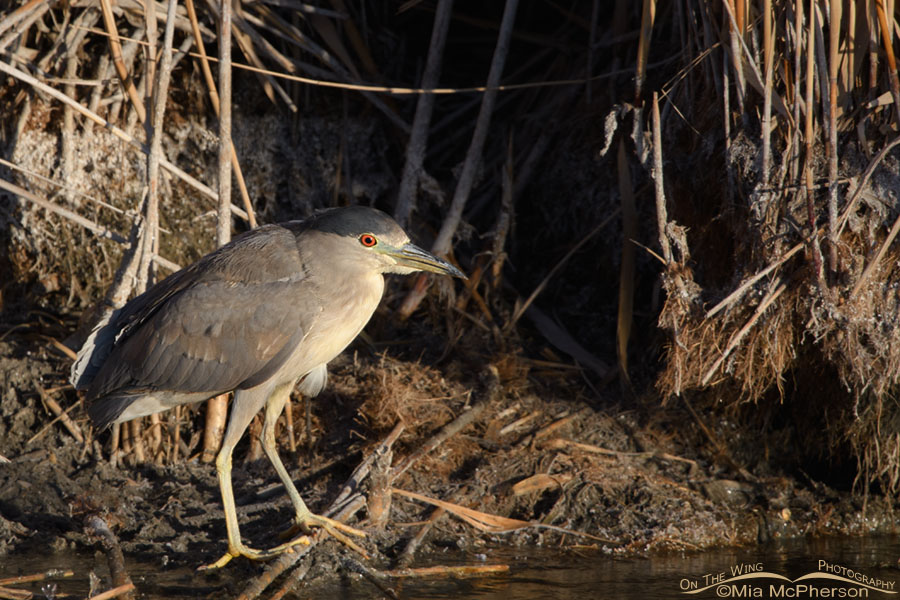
(257, 311)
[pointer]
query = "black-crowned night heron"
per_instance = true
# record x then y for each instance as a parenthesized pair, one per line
(272, 307)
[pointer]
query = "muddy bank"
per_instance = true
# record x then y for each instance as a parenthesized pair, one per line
(635, 481)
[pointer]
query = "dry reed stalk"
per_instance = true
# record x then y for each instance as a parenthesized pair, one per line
(627, 267)
(809, 139)
(137, 441)
(768, 51)
(735, 39)
(648, 16)
(662, 217)
(214, 100)
(886, 40)
(418, 137)
(834, 32)
(444, 239)
(504, 219)
(217, 408)
(115, 49)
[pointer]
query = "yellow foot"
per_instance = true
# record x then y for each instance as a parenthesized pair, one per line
(336, 529)
(252, 554)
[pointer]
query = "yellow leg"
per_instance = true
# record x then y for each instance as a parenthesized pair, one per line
(247, 403)
(304, 518)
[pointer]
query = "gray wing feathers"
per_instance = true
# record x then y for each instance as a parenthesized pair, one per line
(232, 318)
(94, 352)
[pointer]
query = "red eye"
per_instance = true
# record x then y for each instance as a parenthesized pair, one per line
(368, 240)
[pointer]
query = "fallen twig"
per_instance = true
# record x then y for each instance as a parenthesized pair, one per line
(97, 527)
(449, 571)
(60, 415)
(492, 523)
(375, 577)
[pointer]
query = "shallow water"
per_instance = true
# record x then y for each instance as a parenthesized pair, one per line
(777, 570)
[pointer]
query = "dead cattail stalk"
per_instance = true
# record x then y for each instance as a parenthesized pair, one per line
(214, 100)
(115, 49)
(768, 51)
(886, 40)
(217, 408)
(418, 137)
(834, 32)
(809, 138)
(441, 245)
(648, 15)
(662, 217)
(627, 267)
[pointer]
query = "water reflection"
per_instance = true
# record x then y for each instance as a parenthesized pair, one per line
(538, 574)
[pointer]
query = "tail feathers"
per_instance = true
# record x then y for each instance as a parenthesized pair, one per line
(107, 410)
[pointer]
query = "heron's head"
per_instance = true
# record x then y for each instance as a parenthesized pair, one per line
(374, 238)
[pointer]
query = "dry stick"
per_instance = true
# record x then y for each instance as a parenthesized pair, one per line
(768, 51)
(735, 36)
(115, 48)
(122, 590)
(418, 137)
(291, 581)
(809, 136)
(150, 240)
(442, 244)
(833, 64)
(870, 268)
(744, 287)
(648, 15)
(97, 527)
(217, 408)
(362, 470)
(63, 212)
(739, 335)
(892, 61)
(449, 571)
(51, 574)
(409, 552)
(60, 414)
(117, 131)
(67, 153)
(20, 13)
(662, 217)
(373, 576)
(36, 12)
(214, 100)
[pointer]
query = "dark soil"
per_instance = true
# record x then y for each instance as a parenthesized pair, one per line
(641, 479)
